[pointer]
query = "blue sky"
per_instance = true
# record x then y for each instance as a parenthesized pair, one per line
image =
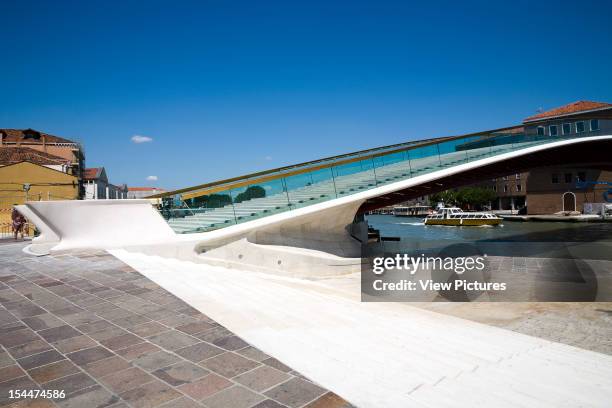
(226, 87)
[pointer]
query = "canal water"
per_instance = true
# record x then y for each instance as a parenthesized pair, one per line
(512, 238)
(539, 261)
(412, 229)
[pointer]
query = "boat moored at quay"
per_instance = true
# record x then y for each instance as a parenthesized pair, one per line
(454, 216)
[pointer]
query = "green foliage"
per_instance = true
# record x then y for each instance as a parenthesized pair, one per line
(250, 193)
(475, 196)
(448, 197)
(211, 201)
(465, 197)
(221, 200)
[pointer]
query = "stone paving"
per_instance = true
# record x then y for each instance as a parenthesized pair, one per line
(89, 325)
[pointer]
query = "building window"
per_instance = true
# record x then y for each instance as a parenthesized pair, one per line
(555, 178)
(505, 188)
(494, 188)
(594, 124)
(518, 176)
(581, 176)
(552, 130)
(518, 187)
(567, 128)
(579, 127)
(568, 177)
(541, 131)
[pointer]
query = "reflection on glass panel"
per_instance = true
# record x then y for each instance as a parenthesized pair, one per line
(215, 200)
(394, 158)
(199, 212)
(424, 159)
(391, 167)
(450, 154)
(324, 178)
(378, 161)
(302, 190)
(353, 177)
(479, 148)
(260, 200)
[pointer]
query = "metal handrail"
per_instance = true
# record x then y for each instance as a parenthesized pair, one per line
(272, 174)
(6, 228)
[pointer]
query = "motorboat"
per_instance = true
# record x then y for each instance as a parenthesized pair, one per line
(457, 217)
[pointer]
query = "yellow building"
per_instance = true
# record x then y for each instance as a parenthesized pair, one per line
(27, 174)
(46, 143)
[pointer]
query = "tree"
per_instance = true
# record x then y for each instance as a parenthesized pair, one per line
(250, 193)
(211, 201)
(475, 197)
(448, 197)
(471, 197)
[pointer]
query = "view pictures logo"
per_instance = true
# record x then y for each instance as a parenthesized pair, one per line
(412, 264)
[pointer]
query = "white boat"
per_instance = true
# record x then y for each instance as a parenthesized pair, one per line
(458, 217)
(411, 211)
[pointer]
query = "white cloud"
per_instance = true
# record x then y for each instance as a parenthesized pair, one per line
(268, 158)
(141, 139)
(152, 178)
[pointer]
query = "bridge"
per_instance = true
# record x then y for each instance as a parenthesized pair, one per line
(308, 207)
(239, 200)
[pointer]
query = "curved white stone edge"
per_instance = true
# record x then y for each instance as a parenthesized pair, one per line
(96, 223)
(47, 233)
(37, 250)
(122, 223)
(285, 260)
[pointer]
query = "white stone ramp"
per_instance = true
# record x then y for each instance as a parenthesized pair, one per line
(384, 354)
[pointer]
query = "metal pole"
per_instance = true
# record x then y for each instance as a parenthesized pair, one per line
(233, 208)
(374, 170)
(284, 182)
(334, 181)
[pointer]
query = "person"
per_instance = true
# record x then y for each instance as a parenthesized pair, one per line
(18, 222)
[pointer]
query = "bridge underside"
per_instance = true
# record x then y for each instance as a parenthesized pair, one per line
(592, 154)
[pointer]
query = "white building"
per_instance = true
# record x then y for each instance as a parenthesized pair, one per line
(143, 192)
(97, 187)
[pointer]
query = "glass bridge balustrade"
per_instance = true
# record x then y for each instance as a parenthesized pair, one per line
(253, 197)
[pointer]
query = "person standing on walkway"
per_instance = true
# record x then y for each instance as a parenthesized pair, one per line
(18, 222)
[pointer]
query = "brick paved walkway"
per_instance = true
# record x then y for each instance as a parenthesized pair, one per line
(90, 325)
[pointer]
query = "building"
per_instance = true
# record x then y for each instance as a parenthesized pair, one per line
(582, 117)
(143, 192)
(511, 191)
(46, 143)
(97, 186)
(29, 174)
(574, 187)
(543, 190)
(567, 188)
(551, 190)
(57, 146)
(63, 155)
